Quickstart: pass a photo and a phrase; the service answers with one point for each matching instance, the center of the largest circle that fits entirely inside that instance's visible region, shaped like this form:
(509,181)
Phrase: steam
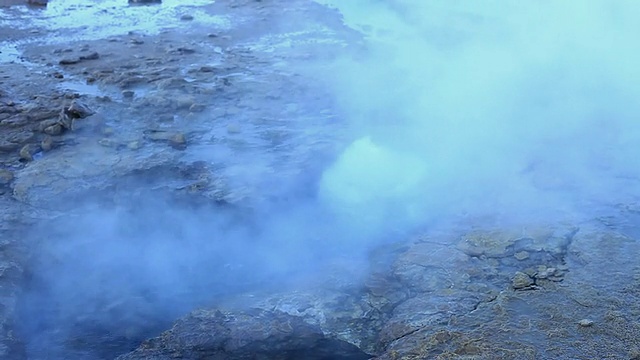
(527,110)
(513,107)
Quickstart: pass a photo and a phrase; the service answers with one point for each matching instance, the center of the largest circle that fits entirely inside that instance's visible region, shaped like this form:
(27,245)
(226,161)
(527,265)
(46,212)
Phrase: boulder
(252,334)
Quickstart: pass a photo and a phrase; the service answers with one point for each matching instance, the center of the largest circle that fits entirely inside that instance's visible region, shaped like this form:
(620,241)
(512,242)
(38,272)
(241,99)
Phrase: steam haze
(525,110)
(512,107)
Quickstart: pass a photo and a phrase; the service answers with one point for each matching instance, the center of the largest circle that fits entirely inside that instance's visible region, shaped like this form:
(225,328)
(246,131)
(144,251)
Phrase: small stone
(128,94)
(6,177)
(25,153)
(178,139)
(185,50)
(521,281)
(585,322)
(92,56)
(134,145)
(69,61)
(522,255)
(186,17)
(55,129)
(174,138)
(207,69)
(58,75)
(47,143)
(78,110)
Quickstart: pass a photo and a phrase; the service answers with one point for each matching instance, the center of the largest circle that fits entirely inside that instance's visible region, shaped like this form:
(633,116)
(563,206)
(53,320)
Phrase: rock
(521,255)
(207,69)
(92,56)
(69,61)
(252,334)
(37,2)
(134,145)
(55,129)
(78,110)
(128,94)
(26,153)
(585,322)
(6,146)
(6,176)
(145,1)
(173,138)
(185,50)
(521,281)
(186,17)
(47,143)
(17,120)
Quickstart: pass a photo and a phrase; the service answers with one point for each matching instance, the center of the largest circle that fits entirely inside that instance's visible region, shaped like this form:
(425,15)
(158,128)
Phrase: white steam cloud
(513,107)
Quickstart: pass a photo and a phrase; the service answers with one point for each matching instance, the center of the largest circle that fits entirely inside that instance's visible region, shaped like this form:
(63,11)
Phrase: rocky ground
(220,107)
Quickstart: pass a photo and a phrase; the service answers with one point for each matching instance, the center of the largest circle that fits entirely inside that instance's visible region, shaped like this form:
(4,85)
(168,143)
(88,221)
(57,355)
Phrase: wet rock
(6,146)
(207,69)
(586,322)
(19,136)
(47,143)
(134,145)
(176,139)
(184,50)
(128,94)
(186,17)
(55,129)
(253,334)
(6,176)
(69,61)
(91,56)
(487,243)
(26,153)
(16,120)
(521,281)
(79,110)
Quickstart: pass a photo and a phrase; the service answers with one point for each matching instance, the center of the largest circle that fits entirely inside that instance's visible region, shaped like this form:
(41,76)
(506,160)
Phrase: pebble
(134,145)
(25,153)
(47,143)
(585,322)
(128,94)
(521,281)
(186,17)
